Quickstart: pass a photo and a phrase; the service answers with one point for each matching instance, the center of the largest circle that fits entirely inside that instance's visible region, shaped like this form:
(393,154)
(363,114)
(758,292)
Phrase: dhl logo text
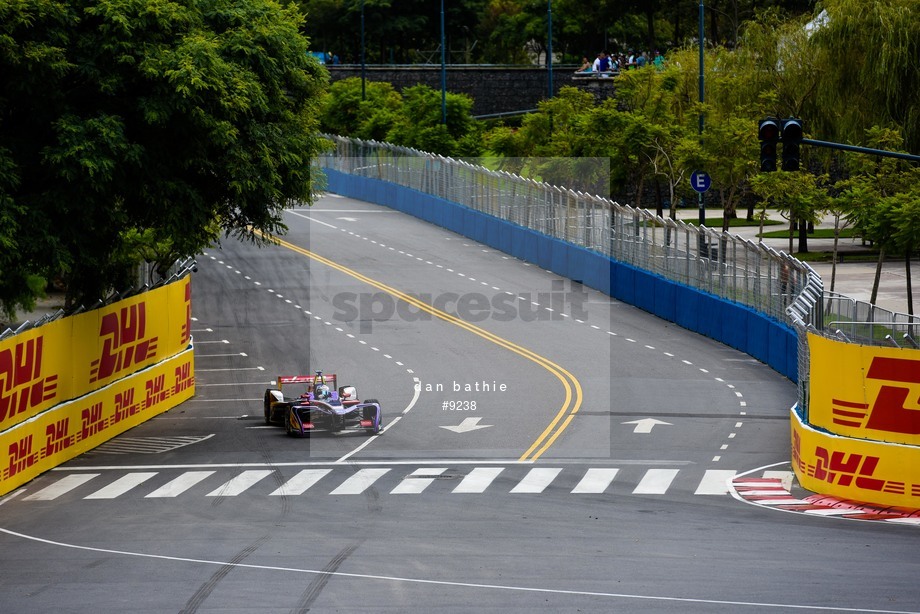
(22,386)
(846,469)
(125,343)
(21,456)
(156,391)
(125,406)
(891,411)
(184,378)
(58,437)
(92,421)
(186,332)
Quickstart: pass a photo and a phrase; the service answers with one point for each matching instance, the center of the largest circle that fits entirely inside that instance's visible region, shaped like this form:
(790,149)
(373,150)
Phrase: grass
(825,256)
(819,233)
(740,222)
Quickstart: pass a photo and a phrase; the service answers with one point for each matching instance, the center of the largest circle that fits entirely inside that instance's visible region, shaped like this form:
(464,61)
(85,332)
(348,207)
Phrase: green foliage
(146,118)
(801,197)
(420,126)
(868,53)
(345,112)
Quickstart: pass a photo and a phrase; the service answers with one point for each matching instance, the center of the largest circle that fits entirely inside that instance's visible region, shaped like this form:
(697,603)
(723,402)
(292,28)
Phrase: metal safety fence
(716,262)
(147,279)
(719,263)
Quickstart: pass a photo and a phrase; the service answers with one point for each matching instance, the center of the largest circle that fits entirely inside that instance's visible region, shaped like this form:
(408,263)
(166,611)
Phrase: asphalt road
(585,471)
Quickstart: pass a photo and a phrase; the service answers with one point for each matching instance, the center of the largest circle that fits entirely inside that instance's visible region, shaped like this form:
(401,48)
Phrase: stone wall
(498,89)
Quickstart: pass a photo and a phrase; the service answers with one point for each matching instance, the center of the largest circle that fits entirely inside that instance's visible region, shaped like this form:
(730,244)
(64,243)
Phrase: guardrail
(727,266)
(178,270)
(722,264)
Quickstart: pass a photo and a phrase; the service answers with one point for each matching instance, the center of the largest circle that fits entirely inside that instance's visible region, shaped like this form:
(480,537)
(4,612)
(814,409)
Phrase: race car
(318,405)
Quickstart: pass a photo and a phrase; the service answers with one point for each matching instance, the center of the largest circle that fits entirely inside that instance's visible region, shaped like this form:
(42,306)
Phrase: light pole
(549,45)
(363,67)
(702,100)
(443,71)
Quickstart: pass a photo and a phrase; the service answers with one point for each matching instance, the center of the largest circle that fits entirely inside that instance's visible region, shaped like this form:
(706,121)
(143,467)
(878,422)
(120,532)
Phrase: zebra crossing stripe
(477,480)
(418,481)
(715,482)
(121,485)
(359,482)
(656,482)
(536,480)
(179,485)
(299,484)
(240,483)
(595,481)
(62,486)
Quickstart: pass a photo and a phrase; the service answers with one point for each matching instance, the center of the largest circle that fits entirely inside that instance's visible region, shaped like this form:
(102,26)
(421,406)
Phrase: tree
(842,207)
(878,190)
(868,54)
(345,113)
(800,197)
(907,235)
(170,120)
(419,123)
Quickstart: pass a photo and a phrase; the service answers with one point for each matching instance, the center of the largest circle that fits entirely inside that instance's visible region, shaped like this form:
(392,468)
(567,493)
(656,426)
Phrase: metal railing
(722,264)
(179,269)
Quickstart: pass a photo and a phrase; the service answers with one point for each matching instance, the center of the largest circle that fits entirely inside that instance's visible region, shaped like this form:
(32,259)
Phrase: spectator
(602,63)
(642,60)
(659,60)
(605,62)
(585,65)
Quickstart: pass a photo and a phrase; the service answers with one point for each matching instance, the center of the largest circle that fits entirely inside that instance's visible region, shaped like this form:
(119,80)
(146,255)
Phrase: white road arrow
(645,424)
(468,424)
(348,219)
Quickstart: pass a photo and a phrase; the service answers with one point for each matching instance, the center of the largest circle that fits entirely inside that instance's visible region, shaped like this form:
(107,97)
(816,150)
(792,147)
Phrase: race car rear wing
(329,380)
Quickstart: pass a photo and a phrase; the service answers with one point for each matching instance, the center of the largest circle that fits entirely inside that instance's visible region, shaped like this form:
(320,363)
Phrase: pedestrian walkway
(852,279)
(160,482)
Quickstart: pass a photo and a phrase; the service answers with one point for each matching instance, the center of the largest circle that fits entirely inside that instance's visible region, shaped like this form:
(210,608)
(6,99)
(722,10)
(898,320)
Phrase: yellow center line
(573,392)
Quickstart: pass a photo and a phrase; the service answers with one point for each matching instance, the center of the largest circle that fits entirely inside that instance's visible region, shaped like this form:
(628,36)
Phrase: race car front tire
(369,414)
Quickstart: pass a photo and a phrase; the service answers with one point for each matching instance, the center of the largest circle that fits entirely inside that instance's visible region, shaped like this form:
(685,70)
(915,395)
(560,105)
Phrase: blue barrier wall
(733,324)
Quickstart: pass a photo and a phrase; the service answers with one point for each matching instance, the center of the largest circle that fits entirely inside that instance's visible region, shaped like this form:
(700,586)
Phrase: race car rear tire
(268,407)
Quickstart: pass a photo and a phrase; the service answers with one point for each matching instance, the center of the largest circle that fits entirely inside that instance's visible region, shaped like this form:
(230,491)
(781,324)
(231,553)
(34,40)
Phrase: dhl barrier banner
(139,331)
(35,372)
(856,469)
(864,391)
(71,428)
(73,356)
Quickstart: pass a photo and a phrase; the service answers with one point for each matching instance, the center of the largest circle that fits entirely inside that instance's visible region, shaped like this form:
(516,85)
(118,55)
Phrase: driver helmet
(322,391)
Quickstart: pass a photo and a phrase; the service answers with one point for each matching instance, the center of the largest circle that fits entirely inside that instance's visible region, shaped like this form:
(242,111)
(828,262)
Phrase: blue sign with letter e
(700,181)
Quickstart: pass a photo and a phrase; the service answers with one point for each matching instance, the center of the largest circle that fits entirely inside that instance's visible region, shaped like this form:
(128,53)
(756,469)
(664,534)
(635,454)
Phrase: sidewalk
(853,279)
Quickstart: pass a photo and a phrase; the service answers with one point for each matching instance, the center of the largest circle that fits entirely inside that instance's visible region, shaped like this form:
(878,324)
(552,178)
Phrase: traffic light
(791,138)
(768,133)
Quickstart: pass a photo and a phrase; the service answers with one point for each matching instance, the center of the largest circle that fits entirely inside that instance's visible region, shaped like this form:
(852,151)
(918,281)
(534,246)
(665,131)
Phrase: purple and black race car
(320,406)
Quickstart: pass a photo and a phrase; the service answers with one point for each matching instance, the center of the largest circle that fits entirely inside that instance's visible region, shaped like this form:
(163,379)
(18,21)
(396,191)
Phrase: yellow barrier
(121,365)
(860,470)
(71,428)
(41,368)
(865,392)
(35,372)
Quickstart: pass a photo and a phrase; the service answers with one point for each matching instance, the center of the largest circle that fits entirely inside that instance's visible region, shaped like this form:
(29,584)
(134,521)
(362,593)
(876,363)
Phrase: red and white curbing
(773,493)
